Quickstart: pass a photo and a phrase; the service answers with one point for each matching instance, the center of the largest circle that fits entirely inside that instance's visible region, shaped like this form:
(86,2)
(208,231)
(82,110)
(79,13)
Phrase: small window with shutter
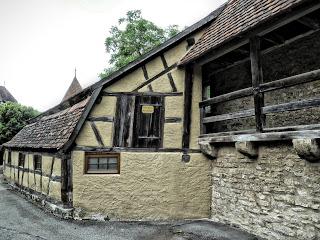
(139,121)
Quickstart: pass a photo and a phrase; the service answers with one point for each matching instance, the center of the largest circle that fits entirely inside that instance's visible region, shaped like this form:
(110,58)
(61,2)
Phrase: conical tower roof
(74,88)
(5,95)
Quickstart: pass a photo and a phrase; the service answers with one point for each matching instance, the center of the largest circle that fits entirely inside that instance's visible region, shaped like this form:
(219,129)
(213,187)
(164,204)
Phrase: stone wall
(276,196)
(150,186)
(46,182)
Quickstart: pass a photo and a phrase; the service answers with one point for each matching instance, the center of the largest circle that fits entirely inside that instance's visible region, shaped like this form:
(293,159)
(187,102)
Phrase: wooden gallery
(220,122)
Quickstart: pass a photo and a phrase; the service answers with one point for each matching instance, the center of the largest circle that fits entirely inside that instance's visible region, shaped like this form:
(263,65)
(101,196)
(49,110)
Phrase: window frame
(34,162)
(21,159)
(101,155)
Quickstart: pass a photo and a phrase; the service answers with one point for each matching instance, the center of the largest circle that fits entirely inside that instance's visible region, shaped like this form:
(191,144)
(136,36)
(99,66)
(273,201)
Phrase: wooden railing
(260,109)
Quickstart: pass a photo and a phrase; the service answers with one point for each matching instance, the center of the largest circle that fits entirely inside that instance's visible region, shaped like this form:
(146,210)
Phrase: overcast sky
(42,41)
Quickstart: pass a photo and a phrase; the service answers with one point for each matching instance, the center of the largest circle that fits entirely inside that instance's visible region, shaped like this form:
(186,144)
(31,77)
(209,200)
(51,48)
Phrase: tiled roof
(238,16)
(49,132)
(74,89)
(5,95)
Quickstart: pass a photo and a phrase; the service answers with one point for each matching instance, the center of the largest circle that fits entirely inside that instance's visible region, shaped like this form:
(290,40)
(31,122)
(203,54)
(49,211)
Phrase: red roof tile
(49,132)
(237,17)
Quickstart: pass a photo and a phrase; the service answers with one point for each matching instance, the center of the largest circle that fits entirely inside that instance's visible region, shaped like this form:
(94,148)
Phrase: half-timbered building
(219,122)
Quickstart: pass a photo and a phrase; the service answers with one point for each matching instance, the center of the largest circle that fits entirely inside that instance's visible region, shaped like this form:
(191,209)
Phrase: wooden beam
(259,30)
(187,107)
(291,81)
(227,97)
(173,120)
(96,133)
(229,116)
(130,149)
(156,94)
(165,71)
(101,119)
(266,136)
(309,22)
(266,51)
(257,79)
(292,106)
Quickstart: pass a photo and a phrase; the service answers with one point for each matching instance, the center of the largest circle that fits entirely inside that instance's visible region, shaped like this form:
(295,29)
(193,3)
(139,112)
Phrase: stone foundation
(276,196)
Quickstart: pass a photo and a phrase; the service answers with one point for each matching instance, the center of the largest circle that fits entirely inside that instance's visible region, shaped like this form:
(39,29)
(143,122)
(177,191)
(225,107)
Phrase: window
(21,159)
(139,121)
(102,163)
(9,158)
(37,162)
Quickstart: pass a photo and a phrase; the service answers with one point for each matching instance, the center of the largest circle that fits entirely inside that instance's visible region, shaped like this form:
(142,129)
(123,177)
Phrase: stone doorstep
(57,210)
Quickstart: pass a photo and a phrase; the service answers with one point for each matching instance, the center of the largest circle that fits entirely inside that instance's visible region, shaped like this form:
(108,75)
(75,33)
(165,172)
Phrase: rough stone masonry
(276,196)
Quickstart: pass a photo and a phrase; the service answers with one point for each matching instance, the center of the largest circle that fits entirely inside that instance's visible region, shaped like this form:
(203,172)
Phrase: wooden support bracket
(208,149)
(248,149)
(307,149)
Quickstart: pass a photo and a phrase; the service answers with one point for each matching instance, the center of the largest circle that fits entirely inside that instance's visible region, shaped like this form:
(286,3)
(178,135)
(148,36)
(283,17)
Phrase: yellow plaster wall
(162,84)
(107,107)
(86,136)
(195,110)
(174,106)
(172,135)
(178,76)
(154,67)
(150,186)
(127,83)
(35,181)
(106,132)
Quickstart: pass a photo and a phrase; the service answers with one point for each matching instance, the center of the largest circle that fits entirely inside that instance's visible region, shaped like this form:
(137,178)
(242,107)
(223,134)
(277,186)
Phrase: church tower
(74,88)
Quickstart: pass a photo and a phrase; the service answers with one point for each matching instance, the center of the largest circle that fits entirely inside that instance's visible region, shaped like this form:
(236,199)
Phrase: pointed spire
(74,88)
(5,95)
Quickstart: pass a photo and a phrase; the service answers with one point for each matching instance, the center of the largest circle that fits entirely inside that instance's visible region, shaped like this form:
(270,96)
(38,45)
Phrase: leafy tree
(137,37)
(13,117)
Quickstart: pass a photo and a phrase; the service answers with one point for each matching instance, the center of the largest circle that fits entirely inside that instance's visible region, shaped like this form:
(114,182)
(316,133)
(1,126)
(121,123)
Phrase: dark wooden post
(257,79)
(187,107)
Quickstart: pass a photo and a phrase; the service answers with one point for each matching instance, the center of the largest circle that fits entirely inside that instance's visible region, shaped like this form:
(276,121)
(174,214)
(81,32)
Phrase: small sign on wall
(147,109)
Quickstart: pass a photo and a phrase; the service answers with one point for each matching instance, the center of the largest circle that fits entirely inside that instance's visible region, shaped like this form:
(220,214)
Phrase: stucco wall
(46,182)
(149,186)
(276,196)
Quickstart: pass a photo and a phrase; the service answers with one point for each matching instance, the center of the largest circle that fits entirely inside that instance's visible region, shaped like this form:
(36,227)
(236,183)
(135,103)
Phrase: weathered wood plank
(257,79)
(96,133)
(128,149)
(116,94)
(173,120)
(229,116)
(228,97)
(292,106)
(266,136)
(291,81)
(188,85)
(165,71)
(101,119)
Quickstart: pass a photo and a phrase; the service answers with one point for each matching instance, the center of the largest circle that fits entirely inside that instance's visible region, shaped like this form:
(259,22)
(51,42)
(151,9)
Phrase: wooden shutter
(148,122)
(124,121)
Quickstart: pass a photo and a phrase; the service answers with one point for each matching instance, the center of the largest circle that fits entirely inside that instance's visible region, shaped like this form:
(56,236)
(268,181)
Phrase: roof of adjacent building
(73,89)
(49,132)
(5,95)
(237,17)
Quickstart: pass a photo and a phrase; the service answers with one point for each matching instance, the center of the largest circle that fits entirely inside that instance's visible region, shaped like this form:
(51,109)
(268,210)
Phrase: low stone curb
(57,210)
